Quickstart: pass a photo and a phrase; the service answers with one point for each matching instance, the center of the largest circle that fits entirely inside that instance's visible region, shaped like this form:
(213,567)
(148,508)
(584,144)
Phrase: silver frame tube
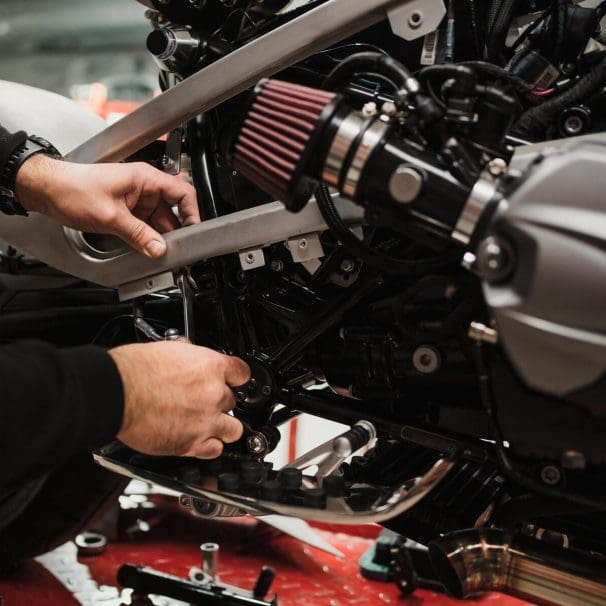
(292,42)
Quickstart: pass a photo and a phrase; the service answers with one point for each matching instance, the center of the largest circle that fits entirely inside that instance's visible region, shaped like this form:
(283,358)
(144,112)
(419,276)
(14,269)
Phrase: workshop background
(94,52)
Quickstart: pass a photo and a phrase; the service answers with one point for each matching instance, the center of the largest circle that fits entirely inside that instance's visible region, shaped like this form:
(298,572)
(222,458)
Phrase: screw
(250,258)
(266,390)
(494,259)
(277,265)
(573,125)
(478,332)
(257,444)
(426,359)
(370,109)
(497,167)
(303,243)
(416,19)
(347,265)
(550,475)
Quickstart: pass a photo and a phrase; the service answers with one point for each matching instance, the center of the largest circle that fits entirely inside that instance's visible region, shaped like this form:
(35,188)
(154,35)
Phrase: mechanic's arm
(160,398)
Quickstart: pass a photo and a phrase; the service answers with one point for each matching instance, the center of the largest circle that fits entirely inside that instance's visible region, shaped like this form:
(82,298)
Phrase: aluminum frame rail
(294,41)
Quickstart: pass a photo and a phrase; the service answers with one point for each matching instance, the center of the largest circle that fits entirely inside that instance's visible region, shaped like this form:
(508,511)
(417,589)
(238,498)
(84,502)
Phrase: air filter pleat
(275,135)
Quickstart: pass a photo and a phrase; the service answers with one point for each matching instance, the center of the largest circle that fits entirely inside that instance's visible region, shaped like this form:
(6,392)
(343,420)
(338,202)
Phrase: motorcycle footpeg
(233,486)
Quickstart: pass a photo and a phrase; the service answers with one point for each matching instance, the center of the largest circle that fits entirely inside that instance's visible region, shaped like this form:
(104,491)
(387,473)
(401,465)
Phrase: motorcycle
(404,232)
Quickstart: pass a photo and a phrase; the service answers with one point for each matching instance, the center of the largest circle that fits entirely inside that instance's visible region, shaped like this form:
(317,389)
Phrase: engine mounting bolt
(277,265)
(497,167)
(550,475)
(573,459)
(426,359)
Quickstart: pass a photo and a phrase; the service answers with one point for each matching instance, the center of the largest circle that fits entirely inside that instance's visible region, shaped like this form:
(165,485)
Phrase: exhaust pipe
(471,562)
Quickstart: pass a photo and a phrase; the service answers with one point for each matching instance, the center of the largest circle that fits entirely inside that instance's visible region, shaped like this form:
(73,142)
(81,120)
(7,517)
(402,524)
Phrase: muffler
(471,562)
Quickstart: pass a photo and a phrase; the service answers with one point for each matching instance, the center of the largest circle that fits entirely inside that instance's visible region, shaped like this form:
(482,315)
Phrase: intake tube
(471,562)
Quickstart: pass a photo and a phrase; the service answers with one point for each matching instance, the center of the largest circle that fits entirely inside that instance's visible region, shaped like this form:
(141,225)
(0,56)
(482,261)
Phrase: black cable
(499,72)
(371,62)
(529,30)
(495,45)
(535,121)
(503,459)
(372,258)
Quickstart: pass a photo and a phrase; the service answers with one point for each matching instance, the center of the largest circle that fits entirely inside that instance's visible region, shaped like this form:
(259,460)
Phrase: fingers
(209,449)
(175,191)
(139,235)
(163,218)
(228,429)
(237,372)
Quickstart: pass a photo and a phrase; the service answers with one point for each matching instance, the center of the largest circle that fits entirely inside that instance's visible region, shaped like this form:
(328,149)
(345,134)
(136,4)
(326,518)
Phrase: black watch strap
(9,204)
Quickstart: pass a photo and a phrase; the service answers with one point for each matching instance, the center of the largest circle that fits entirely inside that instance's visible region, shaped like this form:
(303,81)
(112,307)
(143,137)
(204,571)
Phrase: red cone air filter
(275,136)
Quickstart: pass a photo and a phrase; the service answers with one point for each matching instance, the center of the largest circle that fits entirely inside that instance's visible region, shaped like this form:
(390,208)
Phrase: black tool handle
(147,580)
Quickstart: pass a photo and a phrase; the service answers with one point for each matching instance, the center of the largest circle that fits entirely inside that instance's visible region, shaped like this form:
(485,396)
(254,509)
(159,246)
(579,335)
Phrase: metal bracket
(252,258)
(417,18)
(305,248)
(146,286)
(171,162)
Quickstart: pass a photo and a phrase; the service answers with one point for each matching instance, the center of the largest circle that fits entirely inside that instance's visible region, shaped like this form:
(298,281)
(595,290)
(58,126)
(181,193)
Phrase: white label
(430,46)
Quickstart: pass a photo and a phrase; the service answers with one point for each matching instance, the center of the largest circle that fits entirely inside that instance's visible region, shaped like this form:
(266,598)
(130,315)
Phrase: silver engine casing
(551,313)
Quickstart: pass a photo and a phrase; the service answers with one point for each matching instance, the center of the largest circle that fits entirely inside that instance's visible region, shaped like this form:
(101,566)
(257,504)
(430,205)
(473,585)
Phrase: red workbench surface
(305,576)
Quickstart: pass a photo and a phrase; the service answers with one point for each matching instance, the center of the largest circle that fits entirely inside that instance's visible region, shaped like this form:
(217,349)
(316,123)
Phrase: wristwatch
(9,204)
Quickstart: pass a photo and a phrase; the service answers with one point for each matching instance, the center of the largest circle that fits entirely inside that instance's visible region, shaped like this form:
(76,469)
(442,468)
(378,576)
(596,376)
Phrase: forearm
(53,404)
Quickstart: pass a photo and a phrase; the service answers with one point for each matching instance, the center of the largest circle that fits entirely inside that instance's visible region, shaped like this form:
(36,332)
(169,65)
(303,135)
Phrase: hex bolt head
(550,475)
(497,167)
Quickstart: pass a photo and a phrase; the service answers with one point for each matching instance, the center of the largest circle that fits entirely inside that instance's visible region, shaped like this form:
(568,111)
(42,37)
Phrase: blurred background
(90,50)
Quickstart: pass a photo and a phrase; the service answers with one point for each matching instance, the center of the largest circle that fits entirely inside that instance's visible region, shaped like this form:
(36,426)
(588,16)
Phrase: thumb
(139,235)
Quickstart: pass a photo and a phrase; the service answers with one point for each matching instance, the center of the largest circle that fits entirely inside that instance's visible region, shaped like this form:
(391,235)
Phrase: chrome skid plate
(197,482)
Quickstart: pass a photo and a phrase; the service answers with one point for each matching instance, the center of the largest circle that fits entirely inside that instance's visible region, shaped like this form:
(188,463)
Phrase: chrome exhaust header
(471,562)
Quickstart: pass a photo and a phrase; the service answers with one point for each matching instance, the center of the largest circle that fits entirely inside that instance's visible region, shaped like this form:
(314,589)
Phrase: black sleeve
(9,142)
(54,403)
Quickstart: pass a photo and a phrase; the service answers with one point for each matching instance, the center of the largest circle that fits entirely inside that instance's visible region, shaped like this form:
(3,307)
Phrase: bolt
(256,444)
(277,265)
(389,109)
(370,109)
(479,332)
(348,265)
(573,125)
(550,475)
(303,243)
(416,19)
(469,261)
(250,258)
(494,259)
(266,390)
(572,459)
(497,167)
(426,359)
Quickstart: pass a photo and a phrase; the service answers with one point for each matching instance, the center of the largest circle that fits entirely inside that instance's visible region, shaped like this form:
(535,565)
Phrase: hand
(176,398)
(126,200)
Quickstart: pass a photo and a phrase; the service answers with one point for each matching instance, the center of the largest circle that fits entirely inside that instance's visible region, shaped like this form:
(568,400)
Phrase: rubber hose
(534,122)
(498,33)
(370,62)
(372,258)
